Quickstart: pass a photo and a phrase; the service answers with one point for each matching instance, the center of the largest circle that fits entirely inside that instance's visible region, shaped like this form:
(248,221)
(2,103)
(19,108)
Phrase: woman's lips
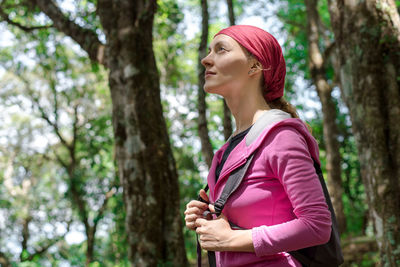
(209,73)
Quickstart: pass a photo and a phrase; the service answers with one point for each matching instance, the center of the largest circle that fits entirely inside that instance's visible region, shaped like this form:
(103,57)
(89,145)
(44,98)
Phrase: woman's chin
(211,89)
(208,89)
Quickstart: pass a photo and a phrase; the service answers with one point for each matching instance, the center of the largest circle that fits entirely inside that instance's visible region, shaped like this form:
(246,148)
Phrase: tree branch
(43,249)
(61,161)
(43,114)
(86,38)
(294,23)
(74,130)
(55,99)
(53,124)
(7,19)
(108,195)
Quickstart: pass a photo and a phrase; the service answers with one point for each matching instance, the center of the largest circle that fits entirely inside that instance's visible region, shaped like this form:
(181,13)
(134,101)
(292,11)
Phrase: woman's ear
(257,66)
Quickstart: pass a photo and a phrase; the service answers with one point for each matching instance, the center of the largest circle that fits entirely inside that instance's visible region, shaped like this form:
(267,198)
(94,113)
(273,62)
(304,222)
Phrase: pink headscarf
(267,50)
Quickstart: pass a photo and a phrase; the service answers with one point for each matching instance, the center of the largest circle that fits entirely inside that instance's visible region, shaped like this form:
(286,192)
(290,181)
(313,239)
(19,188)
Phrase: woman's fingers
(199,224)
(191,218)
(203,195)
(198,204)
(192,213)
(194,210)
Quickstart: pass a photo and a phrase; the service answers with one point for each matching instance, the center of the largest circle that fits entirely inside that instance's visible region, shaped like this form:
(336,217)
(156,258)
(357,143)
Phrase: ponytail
(282,104)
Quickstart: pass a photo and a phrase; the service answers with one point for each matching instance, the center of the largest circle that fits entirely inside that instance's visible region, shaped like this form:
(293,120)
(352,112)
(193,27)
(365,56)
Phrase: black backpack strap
(233,182)
(197,236)
(328,254)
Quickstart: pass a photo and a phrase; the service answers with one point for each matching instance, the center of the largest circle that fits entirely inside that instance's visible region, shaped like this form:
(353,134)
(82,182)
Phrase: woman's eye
(221,48)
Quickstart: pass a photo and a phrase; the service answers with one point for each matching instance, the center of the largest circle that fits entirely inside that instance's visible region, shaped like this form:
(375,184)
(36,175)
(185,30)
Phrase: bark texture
(145,162)
(317,61)
(368,38)
(206,147)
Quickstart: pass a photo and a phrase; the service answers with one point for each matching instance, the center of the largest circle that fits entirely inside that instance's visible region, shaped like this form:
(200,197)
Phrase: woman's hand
(195,209)
(216,234)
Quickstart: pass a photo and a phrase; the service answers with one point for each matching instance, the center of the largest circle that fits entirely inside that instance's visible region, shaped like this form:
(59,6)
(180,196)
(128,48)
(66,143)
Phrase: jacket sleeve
(289,158)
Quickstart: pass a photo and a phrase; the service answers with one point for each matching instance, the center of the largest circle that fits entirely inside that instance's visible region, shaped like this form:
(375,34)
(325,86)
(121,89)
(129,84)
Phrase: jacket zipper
(228,171)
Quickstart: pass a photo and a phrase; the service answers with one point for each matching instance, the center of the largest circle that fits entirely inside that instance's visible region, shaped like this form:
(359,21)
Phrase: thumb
(211,207)
(203,195)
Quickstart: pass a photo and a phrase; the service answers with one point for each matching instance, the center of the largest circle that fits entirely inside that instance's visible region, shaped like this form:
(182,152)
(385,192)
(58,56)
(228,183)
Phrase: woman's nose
(206,61)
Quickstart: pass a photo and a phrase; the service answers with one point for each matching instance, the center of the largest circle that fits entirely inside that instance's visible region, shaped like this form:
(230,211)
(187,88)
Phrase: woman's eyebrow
(217,43)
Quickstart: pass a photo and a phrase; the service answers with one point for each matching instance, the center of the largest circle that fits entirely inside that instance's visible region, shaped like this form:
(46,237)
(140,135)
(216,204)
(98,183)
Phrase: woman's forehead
(223,39)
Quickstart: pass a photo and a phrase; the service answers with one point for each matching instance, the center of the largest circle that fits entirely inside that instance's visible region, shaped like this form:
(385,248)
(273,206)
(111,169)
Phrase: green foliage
(50,85)
(168,43)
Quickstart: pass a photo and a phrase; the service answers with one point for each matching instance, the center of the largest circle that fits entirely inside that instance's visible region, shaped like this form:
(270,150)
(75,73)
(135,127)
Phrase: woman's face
(227,66)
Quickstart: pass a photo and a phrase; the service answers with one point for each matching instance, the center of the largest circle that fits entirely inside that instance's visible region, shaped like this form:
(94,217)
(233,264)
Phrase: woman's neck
(246,110)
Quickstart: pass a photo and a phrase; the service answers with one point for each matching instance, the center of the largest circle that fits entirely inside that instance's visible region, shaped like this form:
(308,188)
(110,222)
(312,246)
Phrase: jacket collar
(246,147)
(269,121)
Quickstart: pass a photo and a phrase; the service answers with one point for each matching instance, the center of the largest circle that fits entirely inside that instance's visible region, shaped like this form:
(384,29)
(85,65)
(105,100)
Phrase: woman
(280,200)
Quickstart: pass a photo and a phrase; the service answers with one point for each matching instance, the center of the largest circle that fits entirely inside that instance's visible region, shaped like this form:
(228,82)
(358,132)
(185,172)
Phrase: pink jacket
(280,198)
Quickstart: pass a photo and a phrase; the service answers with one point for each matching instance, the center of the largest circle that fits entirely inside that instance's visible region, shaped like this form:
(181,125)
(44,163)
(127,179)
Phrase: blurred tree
(317,61)
(368,39)
(61,89)
(227,120)
(30,228)
(145,162)
(206,146)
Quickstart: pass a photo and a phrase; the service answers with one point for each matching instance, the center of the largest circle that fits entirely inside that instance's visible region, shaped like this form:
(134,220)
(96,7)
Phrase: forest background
(106,133)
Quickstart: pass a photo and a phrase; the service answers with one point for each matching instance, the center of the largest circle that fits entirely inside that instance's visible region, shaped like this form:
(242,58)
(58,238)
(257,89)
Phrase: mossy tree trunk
(368,38)
(145,162)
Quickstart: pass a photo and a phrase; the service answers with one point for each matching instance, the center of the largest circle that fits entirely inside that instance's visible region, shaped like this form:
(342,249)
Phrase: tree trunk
(145,162)
(330,130)
(206,147)
(4,261)
(90,238)
(25,237)
(368,37)
(231,12)
(227,121)
(227,113)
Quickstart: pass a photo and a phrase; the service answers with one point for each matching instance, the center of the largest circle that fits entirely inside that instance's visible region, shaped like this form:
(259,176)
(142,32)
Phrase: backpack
(324,255)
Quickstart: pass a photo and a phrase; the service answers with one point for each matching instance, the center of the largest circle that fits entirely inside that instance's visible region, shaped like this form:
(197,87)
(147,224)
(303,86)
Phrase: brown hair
(282,104)
(279,103)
